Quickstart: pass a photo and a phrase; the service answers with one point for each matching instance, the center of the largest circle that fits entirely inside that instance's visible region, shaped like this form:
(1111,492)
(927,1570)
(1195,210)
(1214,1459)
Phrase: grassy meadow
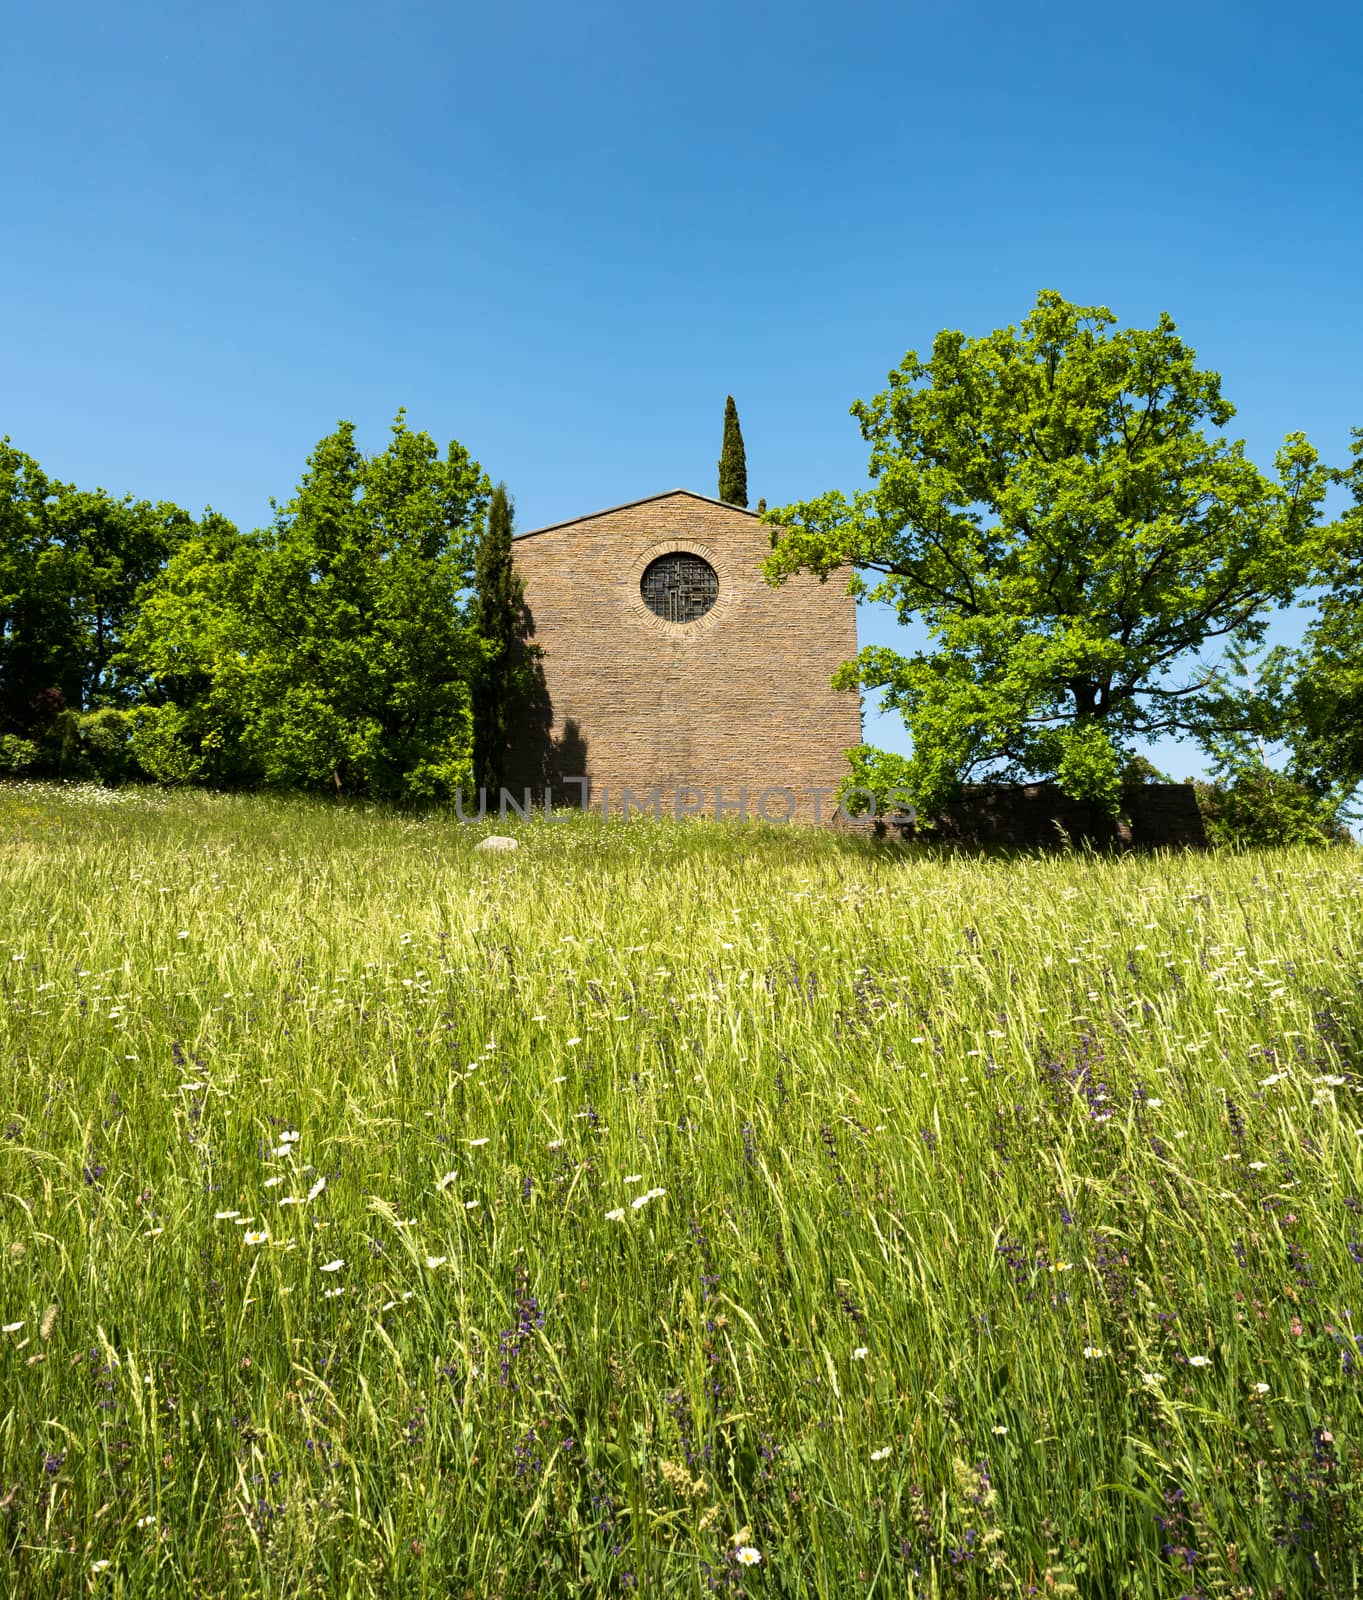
(669,1210)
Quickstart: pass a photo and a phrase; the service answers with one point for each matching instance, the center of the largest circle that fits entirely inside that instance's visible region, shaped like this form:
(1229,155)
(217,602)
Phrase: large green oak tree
(1048,500)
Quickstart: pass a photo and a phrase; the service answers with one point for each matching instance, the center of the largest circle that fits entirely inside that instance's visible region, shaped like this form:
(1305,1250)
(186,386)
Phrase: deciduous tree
(71,564)
(333,648)
(1047,500)
(1319,688)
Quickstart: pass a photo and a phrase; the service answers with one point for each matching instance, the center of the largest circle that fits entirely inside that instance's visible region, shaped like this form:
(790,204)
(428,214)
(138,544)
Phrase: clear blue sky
(562,234)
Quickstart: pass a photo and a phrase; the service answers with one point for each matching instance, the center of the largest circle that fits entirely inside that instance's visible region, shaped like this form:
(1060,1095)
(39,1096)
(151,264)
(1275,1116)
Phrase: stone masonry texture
(736,702)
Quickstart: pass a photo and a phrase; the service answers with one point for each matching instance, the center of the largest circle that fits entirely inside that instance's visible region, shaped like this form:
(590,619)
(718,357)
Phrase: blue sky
(563,234)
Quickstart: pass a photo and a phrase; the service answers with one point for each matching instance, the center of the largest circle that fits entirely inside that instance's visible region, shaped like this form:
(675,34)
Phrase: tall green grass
(1004,1230)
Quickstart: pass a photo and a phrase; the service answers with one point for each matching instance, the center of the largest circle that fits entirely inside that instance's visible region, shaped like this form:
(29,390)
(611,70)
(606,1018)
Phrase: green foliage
(191,644)
(882,774)
(163,743)
(60,750)
(1260,708)
(1088,766)
(1139,770)
(499,628)
(1085,762)
(332,649)
(1046,500)
(1256,807)
(106,744)
(1313,697)
(16,755)
(733,460)
(86,745)
(117,745)
(71,564)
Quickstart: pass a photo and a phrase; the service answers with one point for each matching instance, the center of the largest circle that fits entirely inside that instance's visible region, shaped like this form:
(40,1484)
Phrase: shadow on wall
(536,758)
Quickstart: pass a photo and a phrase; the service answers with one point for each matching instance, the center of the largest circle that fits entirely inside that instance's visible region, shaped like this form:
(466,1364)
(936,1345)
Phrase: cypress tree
(496,622)
(733,463)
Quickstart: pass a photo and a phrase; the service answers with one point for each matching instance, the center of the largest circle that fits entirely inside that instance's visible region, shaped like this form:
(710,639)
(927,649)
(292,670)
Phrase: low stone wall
(1037,815)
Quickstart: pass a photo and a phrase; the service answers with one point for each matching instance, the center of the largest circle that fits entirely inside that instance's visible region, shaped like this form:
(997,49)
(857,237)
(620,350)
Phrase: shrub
(161,746)
(883,774)
(1257,806)
(105,745)
(16,755)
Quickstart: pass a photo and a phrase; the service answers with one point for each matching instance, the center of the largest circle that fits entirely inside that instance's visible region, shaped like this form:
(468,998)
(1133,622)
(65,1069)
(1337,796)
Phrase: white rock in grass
(498,841)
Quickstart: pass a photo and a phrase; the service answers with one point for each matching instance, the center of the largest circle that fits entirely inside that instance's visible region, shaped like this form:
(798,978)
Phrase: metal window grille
(679,587)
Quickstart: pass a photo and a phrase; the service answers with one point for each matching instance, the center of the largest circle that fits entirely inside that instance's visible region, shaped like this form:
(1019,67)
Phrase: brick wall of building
(737,700)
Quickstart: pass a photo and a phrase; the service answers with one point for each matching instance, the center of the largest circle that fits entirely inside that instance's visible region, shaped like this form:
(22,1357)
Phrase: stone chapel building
(670,669)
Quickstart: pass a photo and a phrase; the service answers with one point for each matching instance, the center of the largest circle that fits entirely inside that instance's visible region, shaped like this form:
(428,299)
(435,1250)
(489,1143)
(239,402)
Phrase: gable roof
(644,500)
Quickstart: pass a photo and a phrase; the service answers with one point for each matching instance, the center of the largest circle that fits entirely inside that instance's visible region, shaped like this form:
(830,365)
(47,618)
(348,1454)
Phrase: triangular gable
(648,499)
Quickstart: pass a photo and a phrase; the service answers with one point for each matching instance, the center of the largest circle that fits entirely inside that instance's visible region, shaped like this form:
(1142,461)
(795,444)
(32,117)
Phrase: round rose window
(679,587)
